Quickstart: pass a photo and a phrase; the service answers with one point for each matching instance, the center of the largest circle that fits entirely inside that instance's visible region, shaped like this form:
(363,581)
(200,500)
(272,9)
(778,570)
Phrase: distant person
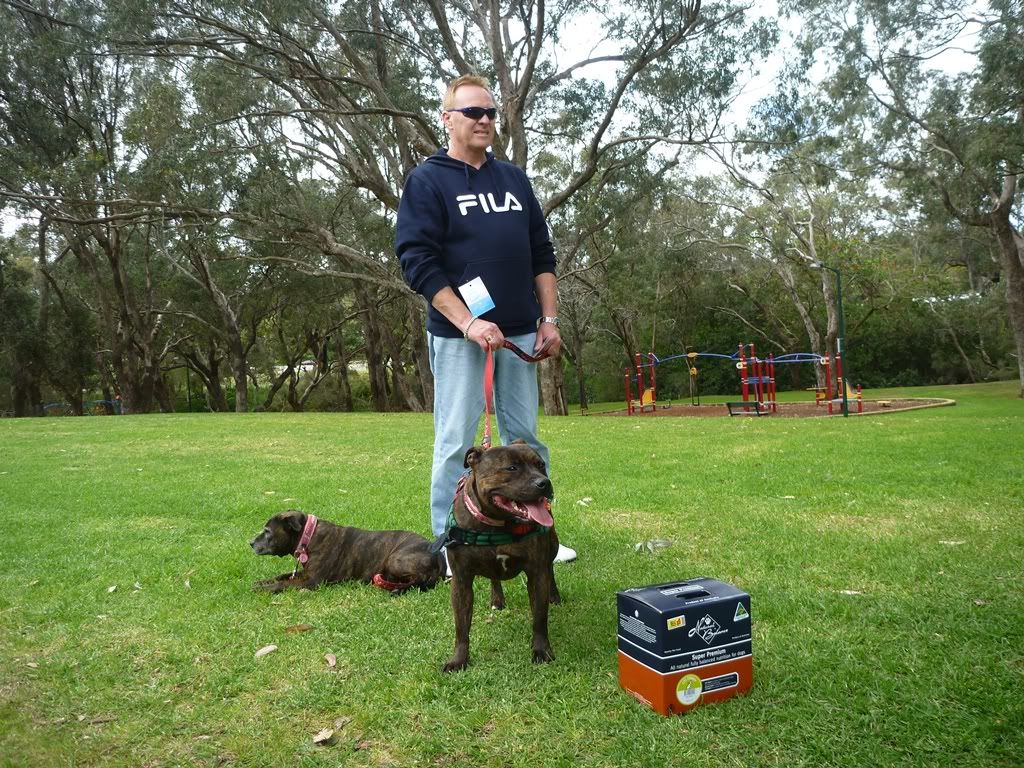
(470,224)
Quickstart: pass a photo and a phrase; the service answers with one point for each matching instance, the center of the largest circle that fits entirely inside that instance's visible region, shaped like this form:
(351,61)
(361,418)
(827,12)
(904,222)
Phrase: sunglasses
(475,113)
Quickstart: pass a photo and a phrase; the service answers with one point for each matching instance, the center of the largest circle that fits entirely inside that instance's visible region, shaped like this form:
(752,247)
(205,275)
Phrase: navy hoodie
(456,223)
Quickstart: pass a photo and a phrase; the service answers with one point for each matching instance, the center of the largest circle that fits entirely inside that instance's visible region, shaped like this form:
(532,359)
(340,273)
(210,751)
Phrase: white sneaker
(565,555)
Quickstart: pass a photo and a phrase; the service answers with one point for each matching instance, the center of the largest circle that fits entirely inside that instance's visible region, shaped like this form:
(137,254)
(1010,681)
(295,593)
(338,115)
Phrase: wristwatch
(552,320)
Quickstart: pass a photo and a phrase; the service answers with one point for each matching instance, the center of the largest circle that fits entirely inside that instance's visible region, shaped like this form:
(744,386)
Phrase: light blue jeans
(458,368)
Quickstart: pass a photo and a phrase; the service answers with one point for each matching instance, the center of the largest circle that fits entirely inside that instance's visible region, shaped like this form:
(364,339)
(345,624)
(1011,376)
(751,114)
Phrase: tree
(962,133)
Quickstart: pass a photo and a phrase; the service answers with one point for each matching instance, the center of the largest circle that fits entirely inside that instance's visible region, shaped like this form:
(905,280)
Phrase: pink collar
(471,506)
(301,553)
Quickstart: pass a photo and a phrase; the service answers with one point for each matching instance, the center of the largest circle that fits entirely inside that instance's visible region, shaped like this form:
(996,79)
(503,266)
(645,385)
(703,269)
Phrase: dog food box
(685,643)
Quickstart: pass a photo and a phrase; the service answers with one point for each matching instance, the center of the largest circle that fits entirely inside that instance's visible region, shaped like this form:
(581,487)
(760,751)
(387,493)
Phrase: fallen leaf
(265,650)
(32,665)
(341,722)
(188,584)
(325,738)
(977,601)
(101,719)
(137,586)
(585,501)
(33,583)
(332,660)
(269,493)
(850,592)
(952,543)
(297,629)
(364,744)
(112,589)
(787,497)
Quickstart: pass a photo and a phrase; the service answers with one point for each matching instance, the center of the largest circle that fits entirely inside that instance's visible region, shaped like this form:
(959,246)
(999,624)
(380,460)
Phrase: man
(470,224)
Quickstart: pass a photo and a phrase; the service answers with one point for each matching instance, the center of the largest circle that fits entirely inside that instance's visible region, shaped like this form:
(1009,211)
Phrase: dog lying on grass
(501,526)
(328,553)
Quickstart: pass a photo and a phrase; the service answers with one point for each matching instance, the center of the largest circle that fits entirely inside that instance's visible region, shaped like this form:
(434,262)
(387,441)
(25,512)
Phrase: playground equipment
(757,380)
(824,394)
(647,397)
(757,377)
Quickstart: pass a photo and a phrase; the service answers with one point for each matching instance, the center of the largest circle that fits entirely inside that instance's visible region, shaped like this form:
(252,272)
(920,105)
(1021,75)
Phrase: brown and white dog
(503,527)
(328,553)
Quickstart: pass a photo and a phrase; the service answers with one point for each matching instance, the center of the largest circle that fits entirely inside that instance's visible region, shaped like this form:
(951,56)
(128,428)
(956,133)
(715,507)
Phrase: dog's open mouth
(538,510)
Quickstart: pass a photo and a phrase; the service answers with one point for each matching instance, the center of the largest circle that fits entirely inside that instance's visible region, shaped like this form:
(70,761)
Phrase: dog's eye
(511,468)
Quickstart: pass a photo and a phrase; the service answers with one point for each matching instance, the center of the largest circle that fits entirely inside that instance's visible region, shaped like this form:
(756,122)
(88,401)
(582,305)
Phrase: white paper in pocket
(476,296)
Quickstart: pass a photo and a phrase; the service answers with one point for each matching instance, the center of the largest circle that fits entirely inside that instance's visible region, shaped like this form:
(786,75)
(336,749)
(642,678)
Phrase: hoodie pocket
(510,283)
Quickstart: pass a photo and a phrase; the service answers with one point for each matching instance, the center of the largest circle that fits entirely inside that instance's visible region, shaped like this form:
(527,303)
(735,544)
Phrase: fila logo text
(488,203)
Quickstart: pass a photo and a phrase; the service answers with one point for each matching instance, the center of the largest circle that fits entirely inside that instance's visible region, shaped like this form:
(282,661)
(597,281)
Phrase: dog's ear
(295,520)
(472,457)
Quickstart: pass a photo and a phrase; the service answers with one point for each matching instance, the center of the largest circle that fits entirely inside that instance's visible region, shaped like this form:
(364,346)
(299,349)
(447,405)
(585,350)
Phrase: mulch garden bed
(798,410)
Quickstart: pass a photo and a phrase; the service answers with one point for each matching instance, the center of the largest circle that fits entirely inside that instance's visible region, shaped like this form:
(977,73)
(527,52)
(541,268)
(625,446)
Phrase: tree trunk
(420,354)
(552,387)
(344,383)
(401,383)
(240,370)
(1011,255)
(375,366)
(275,386)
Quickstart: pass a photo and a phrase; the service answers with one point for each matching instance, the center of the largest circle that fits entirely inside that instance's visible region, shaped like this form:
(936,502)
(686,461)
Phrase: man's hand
(486,334)
(548,338)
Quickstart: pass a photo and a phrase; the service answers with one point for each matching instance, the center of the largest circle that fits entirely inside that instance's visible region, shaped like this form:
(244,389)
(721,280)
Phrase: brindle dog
(338,553)
(509,485)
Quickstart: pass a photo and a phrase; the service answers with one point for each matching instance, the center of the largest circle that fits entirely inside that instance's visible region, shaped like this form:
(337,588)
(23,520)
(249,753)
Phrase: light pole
(842,323)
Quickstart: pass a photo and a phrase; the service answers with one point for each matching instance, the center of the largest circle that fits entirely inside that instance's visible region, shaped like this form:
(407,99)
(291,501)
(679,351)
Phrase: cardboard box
(685,643)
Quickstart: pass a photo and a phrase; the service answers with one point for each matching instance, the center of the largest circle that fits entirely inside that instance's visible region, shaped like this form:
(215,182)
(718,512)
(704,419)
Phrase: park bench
(747,408)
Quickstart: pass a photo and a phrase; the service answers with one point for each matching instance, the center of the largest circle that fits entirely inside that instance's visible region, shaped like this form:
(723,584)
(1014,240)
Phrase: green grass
(919,513)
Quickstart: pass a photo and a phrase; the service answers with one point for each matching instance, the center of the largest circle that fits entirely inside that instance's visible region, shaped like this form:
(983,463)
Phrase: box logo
(677,622)
(741,613)
(707,629)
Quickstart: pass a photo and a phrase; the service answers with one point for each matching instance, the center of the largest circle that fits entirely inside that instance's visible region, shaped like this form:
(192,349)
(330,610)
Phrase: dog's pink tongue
(540,512)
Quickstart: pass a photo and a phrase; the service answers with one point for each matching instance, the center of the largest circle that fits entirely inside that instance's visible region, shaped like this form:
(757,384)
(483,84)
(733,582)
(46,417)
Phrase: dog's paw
(455,665)
(542,655)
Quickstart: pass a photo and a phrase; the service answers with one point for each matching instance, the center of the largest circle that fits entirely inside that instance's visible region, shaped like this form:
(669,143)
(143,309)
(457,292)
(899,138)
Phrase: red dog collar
(301,552)
(472,508)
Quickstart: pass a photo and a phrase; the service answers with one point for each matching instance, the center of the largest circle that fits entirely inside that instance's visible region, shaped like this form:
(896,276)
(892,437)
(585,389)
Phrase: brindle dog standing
(338,553)
(508,484)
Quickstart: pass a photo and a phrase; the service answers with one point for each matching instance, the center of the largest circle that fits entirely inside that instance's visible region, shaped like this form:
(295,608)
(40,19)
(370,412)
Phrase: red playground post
(654,389)
(742,365)
(828,382)
(629,394)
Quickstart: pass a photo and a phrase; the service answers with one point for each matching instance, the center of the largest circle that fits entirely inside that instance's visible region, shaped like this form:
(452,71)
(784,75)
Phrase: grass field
(883,556)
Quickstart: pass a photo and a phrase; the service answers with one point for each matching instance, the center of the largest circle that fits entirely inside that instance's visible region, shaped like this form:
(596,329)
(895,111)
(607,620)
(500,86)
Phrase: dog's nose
(543,485)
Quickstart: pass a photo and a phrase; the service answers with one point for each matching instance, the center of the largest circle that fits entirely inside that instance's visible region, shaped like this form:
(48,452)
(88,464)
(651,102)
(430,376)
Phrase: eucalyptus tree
(355,87)
(64,95)
(961,133)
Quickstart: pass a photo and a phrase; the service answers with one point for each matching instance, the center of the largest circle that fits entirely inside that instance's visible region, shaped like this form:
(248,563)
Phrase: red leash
(489,383)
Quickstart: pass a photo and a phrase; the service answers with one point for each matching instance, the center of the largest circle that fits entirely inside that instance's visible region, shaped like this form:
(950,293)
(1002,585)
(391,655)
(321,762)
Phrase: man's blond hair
(458,82)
